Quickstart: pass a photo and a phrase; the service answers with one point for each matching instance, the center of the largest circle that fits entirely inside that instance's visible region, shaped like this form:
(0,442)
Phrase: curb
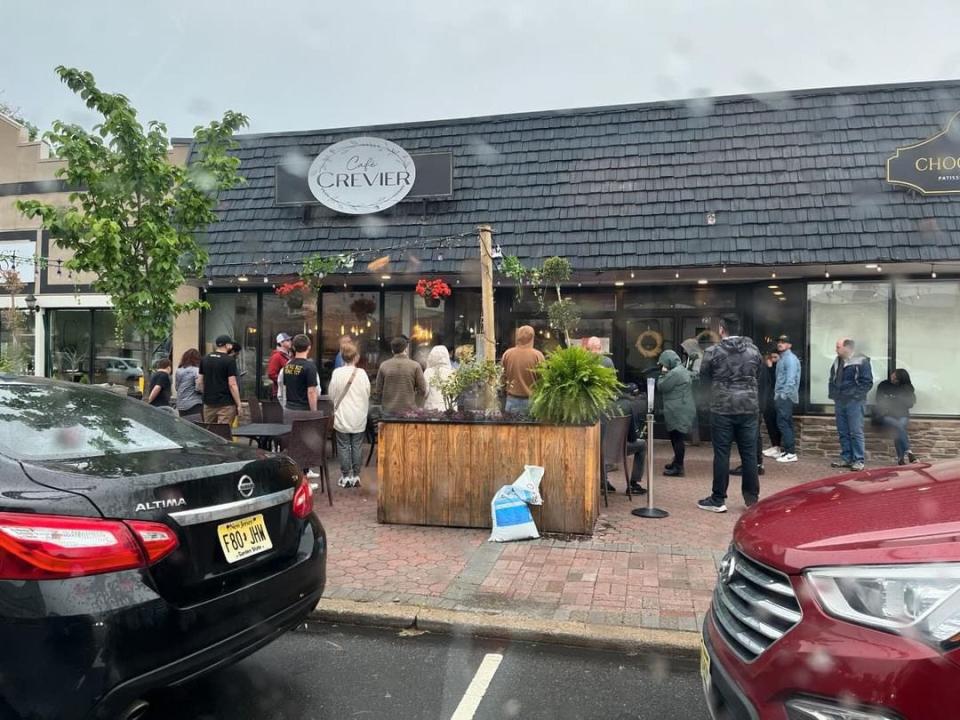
(507,626)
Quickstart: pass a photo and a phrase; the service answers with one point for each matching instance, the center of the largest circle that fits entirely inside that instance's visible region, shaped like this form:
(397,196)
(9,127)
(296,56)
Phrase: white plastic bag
(510,514)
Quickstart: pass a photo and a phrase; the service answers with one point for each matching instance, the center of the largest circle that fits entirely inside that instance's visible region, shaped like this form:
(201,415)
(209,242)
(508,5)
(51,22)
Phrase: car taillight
(303,500)
(46,547)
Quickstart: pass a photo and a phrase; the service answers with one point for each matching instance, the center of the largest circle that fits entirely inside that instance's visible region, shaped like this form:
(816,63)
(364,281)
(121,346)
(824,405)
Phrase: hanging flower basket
(292,293)
(363,307)
(433,291)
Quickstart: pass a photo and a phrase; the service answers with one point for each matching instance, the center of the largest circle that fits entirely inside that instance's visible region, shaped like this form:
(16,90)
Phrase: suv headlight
(921,601)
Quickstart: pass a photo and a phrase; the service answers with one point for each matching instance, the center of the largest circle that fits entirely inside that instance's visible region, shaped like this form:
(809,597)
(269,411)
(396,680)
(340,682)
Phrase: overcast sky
(307,64)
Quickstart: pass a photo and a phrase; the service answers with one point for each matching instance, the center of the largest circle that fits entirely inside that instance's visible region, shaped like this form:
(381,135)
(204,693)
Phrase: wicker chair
(220,429)
(614,432)
(307,445)
(271,411)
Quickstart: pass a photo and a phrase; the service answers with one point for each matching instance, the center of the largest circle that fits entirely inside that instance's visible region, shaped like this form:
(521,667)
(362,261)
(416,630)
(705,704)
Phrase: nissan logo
(245,486)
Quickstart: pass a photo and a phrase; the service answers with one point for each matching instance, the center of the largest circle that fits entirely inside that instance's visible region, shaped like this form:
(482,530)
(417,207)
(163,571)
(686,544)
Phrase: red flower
(290,288)
(434,289)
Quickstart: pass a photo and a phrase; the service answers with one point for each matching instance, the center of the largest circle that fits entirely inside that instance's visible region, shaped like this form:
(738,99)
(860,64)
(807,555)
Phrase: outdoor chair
(256,411)
(307,445)
(371,433)
(271,412)
(325,404)
(613,439)
(221,429)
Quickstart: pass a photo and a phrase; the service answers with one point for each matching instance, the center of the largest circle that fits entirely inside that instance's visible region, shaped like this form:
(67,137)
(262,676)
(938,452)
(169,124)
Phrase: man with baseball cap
(786,394)
(218,383)
(279,358)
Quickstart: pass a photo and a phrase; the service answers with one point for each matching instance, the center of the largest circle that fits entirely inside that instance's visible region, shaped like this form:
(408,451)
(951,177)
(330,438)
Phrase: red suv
(840,600)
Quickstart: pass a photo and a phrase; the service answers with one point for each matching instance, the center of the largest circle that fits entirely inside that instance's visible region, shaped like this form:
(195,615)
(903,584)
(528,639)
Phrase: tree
(133,222)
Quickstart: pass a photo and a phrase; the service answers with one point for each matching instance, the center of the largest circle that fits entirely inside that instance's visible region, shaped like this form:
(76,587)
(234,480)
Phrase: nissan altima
(137,551)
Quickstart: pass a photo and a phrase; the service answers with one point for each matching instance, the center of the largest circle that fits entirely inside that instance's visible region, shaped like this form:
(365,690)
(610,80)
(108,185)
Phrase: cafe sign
(362,175)
(931,167)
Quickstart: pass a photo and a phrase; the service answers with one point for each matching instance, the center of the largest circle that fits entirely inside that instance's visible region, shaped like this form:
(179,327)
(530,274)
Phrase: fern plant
(573,388)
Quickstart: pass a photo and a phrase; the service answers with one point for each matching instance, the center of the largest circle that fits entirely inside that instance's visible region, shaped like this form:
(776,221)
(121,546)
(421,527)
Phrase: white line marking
(478,687)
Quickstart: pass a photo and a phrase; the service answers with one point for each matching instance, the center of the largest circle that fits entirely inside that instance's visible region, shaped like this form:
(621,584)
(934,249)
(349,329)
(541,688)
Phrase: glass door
(645,339)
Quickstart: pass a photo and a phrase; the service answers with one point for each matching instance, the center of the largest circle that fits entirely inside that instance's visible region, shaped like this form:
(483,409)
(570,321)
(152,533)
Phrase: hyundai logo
(245,486)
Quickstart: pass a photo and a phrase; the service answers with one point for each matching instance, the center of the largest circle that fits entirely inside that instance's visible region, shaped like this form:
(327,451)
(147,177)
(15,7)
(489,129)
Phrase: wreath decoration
(650,344)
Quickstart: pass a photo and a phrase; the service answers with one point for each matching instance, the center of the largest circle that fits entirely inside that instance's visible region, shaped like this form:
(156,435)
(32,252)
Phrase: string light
(826,272)
(933,273)
(724,270)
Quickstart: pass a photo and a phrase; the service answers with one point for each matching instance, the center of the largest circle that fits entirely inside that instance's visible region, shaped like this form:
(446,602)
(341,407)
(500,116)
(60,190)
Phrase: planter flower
(433,291)
(292,293)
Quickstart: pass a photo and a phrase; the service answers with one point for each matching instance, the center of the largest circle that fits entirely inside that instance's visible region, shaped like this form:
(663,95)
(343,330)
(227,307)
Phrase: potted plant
(293,293)
(433,291)
(573,388)
(363,308)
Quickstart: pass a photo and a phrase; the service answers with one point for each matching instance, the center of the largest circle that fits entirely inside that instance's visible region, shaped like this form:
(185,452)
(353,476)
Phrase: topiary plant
(573,388)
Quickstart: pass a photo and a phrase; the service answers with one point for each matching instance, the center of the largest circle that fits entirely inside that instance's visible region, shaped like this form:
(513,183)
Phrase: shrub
(573,388)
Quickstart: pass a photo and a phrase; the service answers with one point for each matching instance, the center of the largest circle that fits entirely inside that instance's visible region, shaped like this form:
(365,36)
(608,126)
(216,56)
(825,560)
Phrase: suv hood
(886,516)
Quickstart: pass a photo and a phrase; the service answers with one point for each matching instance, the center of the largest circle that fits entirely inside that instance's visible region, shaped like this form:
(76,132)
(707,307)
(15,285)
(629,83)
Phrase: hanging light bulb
(933,273)
(632,275)
(826,272)
(724,269)
(773,274)
(676,275)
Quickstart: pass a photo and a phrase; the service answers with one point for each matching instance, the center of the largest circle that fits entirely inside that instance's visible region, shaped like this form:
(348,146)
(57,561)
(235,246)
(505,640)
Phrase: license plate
(705,668)
(243,538)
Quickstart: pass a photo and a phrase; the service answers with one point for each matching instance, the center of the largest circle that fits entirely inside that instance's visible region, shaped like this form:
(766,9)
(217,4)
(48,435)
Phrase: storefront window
(235,314)
(16,341)
(844,309)
(291,315)
(356,314)
(928,335)
(469,316)
(406,313)
(70,345)
(646,338)
(679,297)
(778,310)
(544,339)
(119,359)
(588,302)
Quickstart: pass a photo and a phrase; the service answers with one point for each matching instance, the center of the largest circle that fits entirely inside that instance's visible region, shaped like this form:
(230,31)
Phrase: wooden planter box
(446,473)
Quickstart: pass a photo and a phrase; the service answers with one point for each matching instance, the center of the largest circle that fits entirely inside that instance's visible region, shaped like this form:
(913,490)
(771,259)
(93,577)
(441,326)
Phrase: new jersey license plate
(705,668)
(244,538)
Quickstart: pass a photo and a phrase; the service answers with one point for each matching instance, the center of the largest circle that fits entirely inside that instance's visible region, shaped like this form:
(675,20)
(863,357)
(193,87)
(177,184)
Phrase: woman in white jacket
(350,391)
(438,366)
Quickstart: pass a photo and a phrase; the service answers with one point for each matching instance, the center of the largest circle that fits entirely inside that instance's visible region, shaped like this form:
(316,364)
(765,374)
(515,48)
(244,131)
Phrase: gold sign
(931,167)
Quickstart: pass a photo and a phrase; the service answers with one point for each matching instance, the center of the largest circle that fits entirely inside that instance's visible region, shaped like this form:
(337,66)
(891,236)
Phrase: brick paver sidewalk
(633,571)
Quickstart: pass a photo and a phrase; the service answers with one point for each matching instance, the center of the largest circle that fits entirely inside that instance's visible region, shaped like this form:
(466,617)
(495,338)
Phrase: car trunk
(200,493)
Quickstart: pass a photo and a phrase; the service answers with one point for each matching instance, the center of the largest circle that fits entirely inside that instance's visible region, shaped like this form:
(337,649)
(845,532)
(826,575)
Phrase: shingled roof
(792,178)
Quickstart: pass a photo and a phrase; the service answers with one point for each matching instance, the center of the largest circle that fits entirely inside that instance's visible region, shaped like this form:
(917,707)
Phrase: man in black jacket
(731,369)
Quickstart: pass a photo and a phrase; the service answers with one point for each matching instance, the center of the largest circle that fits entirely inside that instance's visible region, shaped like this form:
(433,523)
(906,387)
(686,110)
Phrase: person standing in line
(766,382)
(438,370)
(217,382)
(160,384)
(518,371)
(895,397)
(189,401)
(400,386)
(786,394)
(338,361)
(731,368)
(595,345)
(679,411)
(851,378)
(350,390)
(300,377)
(278,359)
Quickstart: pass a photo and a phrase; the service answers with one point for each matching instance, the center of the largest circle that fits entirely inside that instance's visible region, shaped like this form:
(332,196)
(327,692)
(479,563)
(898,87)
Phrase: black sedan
(137,551)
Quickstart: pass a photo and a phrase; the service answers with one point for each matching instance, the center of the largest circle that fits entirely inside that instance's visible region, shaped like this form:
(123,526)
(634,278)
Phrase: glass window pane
(17,341)
(679,297)
(293,315)
(588,302)
(646,338)
(119,360)
(844,309)
(69,345)
(356,314)
(928,333)
(544,339)
(467,323)
(235,314)
(778,310)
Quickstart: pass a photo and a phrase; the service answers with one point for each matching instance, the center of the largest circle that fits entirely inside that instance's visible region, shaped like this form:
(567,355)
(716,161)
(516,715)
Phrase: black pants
(679,449)
(770,420)
(639,450)
(742,429)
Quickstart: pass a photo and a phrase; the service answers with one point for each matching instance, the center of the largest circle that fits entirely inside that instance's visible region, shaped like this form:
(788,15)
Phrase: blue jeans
(517,405)
(788,442)
(849,416)
(901,440)
(745,430)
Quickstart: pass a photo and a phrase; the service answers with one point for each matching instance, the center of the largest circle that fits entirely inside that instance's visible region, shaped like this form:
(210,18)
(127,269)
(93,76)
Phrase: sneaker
(354,481)
(788,457)
(857,466)
(911,458)
(841,463)
(674,472)
(711,505)
(344,481)
(636,489)
(311,475)
(772,452)
(750,500)
(760,470)
(668,466)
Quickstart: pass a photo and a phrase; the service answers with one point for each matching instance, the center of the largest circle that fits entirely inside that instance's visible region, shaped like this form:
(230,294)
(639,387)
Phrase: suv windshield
(59,422)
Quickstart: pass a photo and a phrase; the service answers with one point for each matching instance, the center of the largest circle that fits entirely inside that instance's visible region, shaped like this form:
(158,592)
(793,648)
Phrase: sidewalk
(634,572)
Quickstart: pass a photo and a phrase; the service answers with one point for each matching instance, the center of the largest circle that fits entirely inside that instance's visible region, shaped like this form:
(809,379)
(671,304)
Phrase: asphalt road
(342,672)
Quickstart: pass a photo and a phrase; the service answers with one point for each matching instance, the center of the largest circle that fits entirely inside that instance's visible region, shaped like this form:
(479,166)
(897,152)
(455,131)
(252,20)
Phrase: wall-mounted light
(711,218)
(385,277)
(773,287)
(677,275)
(826,272)
(31,302)
(702,281)
(619,283)
(773,275)
(632,275)
(933,273)
(724,269)
(242,278)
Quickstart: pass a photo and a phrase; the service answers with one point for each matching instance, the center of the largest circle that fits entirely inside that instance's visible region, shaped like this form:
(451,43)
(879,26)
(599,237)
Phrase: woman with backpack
(895,397)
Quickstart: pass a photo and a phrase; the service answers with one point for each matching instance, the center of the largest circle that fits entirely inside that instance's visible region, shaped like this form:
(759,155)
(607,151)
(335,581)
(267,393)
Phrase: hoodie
(731,367)
(438,366)
(676,389)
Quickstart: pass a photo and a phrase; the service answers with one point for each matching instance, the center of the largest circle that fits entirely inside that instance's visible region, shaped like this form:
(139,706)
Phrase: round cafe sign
(362,175)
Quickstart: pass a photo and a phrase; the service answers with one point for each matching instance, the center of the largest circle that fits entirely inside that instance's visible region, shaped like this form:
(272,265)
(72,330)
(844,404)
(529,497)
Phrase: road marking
(478,687)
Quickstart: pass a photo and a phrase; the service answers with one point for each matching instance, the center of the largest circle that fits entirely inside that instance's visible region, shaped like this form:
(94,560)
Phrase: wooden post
(486,289)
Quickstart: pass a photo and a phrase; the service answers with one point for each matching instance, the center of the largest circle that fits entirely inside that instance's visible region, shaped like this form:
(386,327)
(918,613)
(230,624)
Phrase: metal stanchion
(650,511)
